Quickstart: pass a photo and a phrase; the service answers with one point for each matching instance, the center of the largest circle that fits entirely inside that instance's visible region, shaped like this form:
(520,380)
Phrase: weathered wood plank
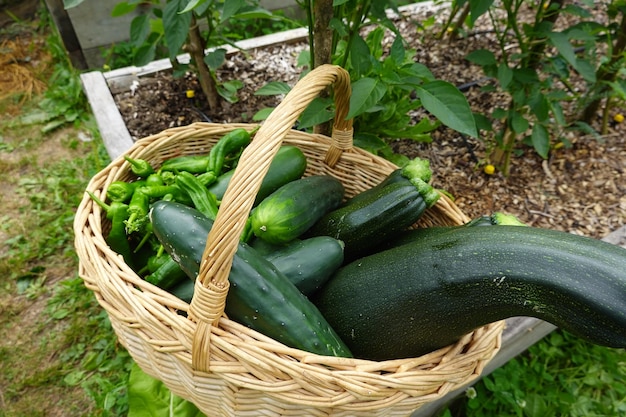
(66,31)
(115,135)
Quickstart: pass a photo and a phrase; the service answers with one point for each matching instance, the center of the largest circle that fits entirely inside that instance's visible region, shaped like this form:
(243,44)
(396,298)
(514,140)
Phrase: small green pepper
(167,275)
(203,200)
(195,164)
(122,191)
(138,212)
(154,179)
(139,167)
(117,238)
(207,178)
(231,143)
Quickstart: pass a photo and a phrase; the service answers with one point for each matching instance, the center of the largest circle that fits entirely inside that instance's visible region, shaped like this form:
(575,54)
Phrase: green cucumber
(288,165)
(292,209)
(424,295)
(380,213)
(308,263)
(259,297)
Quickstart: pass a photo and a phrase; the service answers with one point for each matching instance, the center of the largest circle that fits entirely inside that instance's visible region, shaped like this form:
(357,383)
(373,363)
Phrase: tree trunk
(196,51)
(323,40)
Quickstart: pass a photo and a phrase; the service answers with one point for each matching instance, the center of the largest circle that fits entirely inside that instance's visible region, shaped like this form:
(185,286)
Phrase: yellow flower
(190,94)
(489,169)
(619,117)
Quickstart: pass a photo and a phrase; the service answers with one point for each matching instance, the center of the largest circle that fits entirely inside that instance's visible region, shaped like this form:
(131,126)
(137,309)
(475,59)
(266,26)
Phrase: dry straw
(225,368)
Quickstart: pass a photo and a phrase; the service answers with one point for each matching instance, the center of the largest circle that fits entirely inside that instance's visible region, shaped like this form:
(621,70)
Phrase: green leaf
(230,8)
(144,54)
(254,13)
(566,50)
(192,5)
(369,142)
(360,57)
(122,8)
(444,101)
(483,122)
(304,58)
(505,75)
(540,105)
(139,30)
(519,124)
(262,114)
(149,397)
(541,140)
(228,90)
(586,70)
(482,57)
(176,26)
(478,8)
(366,92)
(273,88)
(215,58)
(397,52)
(561,43)
(318,112)
(68,4)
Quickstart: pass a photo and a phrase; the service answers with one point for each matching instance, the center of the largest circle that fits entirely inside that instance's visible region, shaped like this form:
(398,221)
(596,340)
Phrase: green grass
(561,375)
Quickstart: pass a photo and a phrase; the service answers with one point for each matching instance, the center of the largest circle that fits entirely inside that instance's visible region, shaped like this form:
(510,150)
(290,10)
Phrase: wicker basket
(225,368)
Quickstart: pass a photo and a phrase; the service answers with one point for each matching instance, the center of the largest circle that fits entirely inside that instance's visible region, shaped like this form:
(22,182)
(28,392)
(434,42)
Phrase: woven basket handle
(212,284)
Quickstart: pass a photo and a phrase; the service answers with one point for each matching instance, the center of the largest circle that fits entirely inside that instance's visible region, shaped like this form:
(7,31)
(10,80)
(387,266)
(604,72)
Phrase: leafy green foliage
(559,376)
(64,101)
(149,397)
(387,89)
(535,80)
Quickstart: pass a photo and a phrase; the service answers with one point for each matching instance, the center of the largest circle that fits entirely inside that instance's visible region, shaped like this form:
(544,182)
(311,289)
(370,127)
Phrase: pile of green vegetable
(348,276)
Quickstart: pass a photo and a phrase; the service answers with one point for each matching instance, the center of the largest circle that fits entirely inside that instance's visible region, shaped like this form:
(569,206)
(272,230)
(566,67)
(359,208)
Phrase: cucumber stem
(503,219)
(418,172)
(417,168)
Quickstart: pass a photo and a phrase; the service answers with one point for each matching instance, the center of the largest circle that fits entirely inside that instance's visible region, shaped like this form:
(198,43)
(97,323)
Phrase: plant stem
(538,45)
(501,156)
(207,81)
(308,9)
(323,41)
(459,22)
(360,12)
(322,33)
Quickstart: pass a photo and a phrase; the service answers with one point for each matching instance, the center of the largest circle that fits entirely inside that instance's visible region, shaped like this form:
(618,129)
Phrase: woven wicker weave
(227,369)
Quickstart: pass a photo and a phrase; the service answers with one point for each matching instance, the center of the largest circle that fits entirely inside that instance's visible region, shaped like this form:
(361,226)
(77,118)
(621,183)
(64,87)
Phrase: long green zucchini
(259,297)
(426,294)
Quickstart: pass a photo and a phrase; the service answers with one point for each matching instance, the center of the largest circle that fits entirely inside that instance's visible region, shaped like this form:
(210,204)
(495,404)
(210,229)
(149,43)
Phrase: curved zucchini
(495,219)
(292,209)
(259,296)
(426,294)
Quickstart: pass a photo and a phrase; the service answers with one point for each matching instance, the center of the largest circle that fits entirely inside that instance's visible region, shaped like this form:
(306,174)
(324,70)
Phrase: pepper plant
(388,87)
(538,75)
